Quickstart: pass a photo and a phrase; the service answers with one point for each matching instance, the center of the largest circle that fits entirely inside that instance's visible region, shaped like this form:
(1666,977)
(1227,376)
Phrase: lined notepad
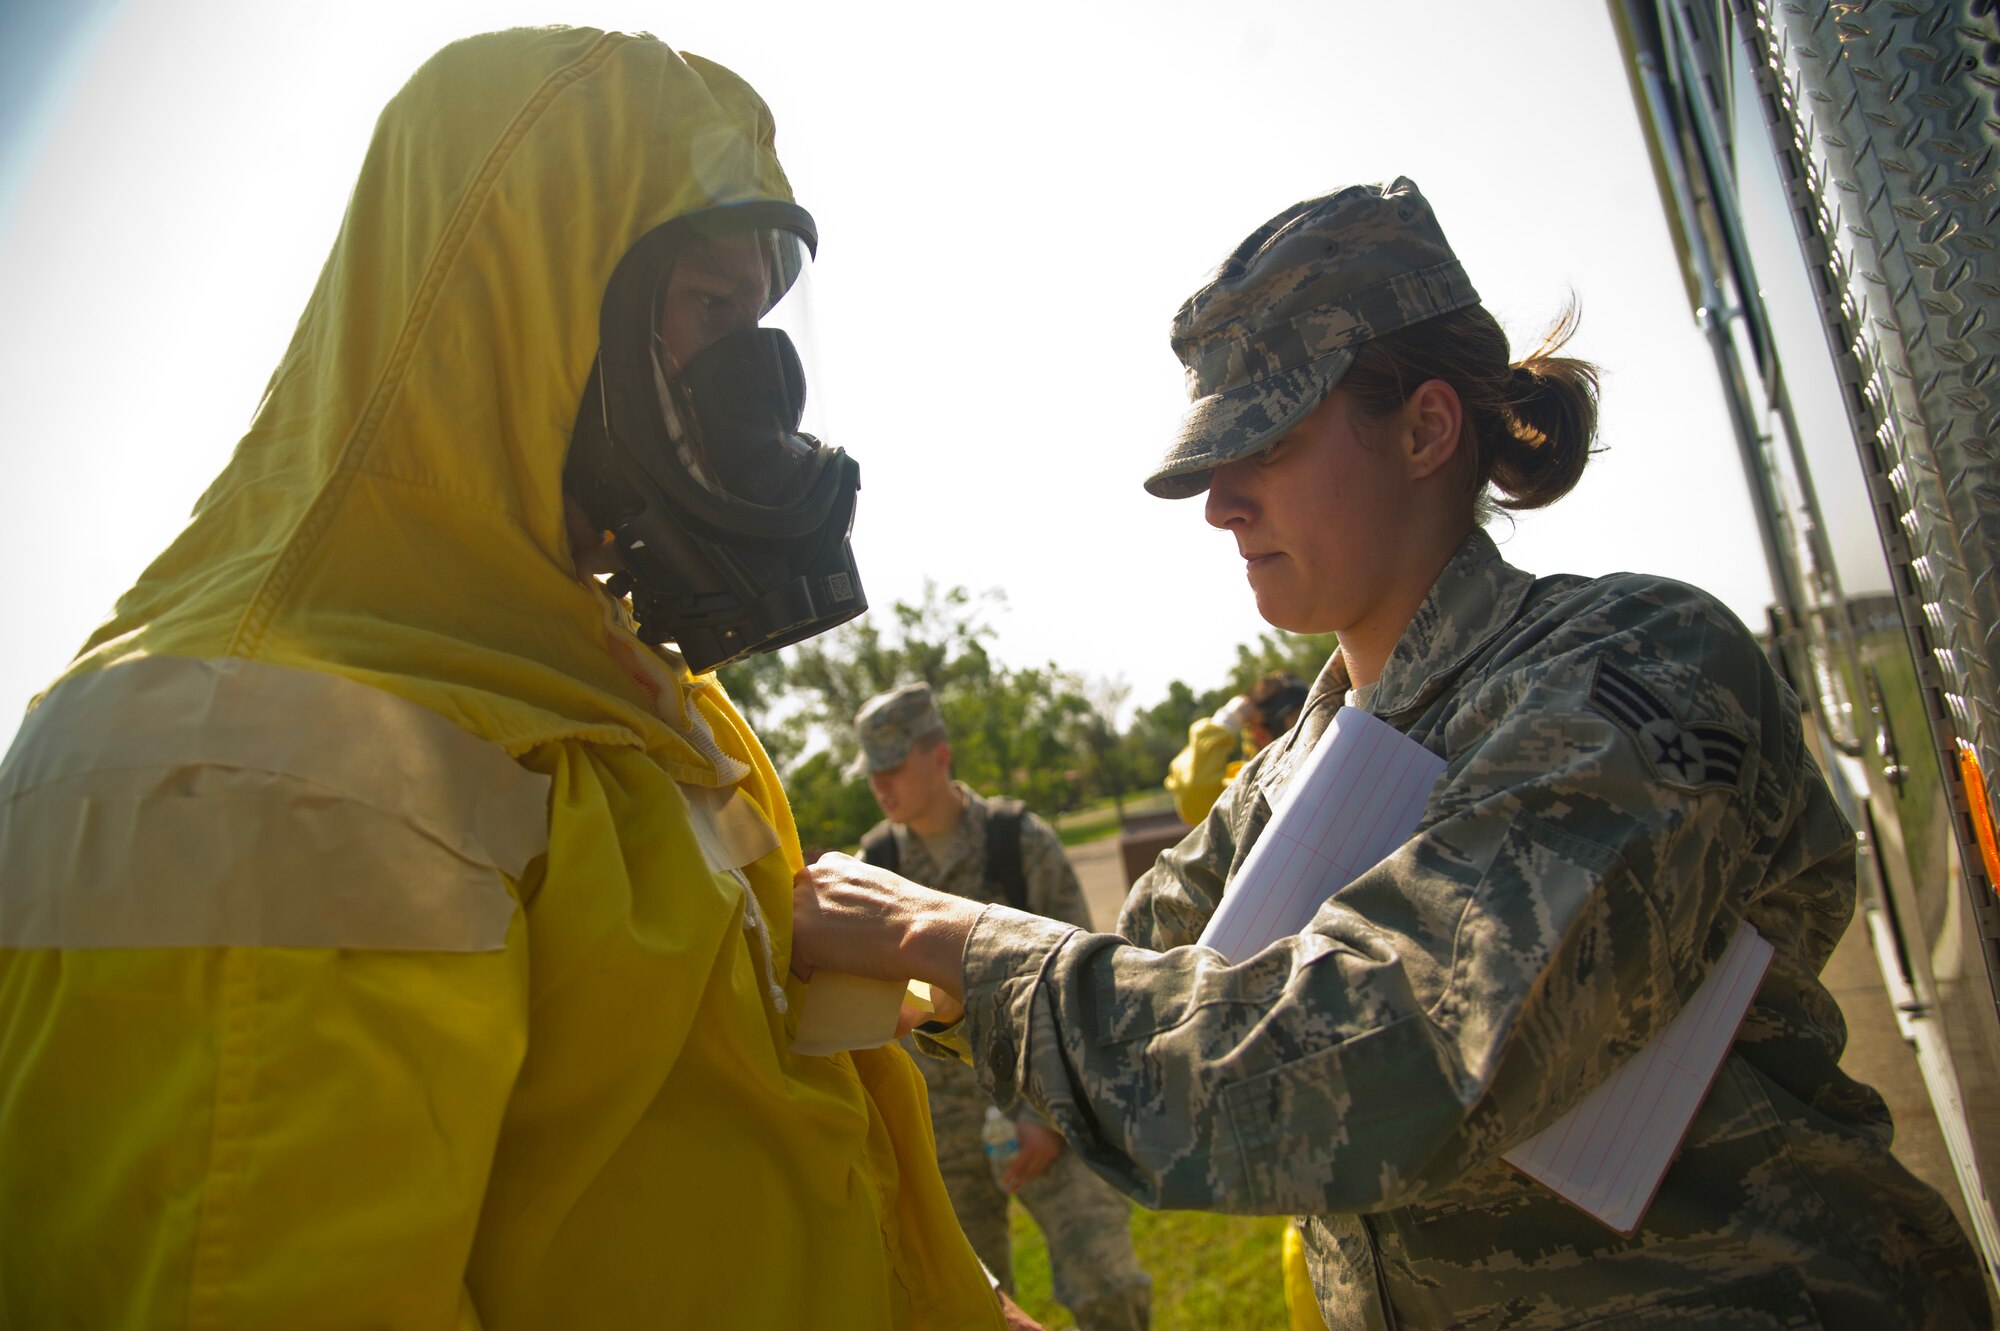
(1609,1153)
(1357,797)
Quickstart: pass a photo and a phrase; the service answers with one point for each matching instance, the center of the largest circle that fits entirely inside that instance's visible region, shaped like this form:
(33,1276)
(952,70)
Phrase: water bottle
(999,1139)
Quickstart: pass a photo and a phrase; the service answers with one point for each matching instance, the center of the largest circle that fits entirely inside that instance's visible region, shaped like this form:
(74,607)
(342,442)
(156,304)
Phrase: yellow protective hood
(395,513)
(389,1022)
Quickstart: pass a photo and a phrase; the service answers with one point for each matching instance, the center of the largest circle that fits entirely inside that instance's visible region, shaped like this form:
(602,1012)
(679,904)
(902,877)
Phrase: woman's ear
(1433,419)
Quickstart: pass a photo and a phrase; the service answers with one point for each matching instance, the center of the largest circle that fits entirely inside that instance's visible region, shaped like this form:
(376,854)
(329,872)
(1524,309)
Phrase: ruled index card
(1609,1154)
(1355,798)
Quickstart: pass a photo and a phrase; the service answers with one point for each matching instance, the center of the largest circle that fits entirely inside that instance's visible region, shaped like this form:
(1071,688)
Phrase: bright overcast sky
(1012,202)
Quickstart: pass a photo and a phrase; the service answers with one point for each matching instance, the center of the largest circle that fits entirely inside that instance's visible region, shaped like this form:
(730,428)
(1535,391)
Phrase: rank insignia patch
(1692,757)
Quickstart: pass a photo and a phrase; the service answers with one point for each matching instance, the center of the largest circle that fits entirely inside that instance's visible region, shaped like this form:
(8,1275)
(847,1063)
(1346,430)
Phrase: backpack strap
(1003,849)
(878,847)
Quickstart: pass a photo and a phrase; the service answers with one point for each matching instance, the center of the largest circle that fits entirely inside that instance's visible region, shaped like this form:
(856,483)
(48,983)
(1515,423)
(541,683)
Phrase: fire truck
(1830,174)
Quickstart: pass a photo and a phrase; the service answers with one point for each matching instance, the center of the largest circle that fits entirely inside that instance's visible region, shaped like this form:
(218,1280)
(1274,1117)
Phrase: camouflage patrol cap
(891,723)
(1277,325)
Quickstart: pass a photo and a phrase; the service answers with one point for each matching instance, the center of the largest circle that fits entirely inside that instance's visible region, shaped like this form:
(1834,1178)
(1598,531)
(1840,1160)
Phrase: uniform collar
(1476,596)
(971,825)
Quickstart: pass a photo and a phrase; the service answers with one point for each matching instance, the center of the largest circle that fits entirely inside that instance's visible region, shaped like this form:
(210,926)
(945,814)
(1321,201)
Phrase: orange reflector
(1982,813)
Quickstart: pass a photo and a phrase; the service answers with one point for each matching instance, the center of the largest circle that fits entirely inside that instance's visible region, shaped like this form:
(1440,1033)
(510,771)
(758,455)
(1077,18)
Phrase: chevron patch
(1703,756)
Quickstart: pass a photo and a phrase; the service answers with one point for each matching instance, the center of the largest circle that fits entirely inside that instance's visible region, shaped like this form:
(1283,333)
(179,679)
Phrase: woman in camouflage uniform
(1626,782)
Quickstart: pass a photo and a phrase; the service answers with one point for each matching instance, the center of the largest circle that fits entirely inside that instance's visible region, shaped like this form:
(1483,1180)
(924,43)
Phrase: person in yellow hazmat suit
(1219,745)
(394,917)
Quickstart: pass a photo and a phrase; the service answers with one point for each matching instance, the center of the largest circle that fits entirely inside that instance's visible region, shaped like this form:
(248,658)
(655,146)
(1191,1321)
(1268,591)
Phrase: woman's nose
(1227,504)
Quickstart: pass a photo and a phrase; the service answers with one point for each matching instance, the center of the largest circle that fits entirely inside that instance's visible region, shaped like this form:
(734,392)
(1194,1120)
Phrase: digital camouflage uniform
(1087,1224)
(1626,780)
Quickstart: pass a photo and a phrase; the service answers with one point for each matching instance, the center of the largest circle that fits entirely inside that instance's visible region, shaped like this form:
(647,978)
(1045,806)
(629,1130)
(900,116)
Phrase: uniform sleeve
(1198,772)
(1567,892)
(1053,891)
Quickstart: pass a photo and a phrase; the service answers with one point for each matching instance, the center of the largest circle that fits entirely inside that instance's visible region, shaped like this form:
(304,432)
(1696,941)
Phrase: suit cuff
(1005,957)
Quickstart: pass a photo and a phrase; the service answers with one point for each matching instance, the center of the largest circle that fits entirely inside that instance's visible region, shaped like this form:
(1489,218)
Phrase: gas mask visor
(692,446)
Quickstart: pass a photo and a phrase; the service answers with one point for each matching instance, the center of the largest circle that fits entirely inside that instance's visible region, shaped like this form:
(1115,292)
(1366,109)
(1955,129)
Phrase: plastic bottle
(999,1139)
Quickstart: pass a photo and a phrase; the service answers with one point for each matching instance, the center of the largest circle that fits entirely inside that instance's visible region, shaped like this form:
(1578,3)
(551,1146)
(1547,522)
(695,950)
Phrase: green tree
(757,685)
(1303,654)
(940,641)
(831,807)
(1043,735)
(1158,732)
(1095,734)
(1012,731)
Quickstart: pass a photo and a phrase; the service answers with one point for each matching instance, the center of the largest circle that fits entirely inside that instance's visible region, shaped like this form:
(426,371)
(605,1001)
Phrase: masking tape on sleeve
(181,802)
(843,1012)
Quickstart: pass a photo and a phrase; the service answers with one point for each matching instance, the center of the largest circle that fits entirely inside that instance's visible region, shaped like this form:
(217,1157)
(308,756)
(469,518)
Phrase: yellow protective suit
(391,939)
(1200,772)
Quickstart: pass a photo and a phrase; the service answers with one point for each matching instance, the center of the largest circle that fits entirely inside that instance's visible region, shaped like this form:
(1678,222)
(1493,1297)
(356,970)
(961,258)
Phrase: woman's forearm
(934,944)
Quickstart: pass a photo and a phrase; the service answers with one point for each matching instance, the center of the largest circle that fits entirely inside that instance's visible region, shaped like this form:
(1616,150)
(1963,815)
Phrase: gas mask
(732,522)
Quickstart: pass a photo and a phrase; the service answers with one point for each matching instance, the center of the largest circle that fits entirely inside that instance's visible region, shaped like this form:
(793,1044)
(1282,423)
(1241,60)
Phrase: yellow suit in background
(390,938)
(1199,773)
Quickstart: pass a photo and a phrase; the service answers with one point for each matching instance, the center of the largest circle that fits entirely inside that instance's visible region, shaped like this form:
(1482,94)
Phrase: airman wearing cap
(891,724)
(1273,330)
(1625,789)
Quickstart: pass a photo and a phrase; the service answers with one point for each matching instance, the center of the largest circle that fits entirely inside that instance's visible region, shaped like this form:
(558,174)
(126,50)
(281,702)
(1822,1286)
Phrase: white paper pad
(1609,1153)
(1355,798)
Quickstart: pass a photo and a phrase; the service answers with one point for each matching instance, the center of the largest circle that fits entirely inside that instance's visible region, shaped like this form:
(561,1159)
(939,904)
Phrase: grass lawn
(1210,1272)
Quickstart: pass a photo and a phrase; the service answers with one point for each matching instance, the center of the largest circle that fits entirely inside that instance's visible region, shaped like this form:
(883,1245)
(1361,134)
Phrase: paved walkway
(1102,878)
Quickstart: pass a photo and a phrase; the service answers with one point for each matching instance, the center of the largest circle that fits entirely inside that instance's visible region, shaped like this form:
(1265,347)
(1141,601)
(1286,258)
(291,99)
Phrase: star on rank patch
(1701,756)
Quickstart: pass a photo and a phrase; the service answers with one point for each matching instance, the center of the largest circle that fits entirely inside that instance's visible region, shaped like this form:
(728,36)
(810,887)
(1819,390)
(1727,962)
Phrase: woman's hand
(848,915)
